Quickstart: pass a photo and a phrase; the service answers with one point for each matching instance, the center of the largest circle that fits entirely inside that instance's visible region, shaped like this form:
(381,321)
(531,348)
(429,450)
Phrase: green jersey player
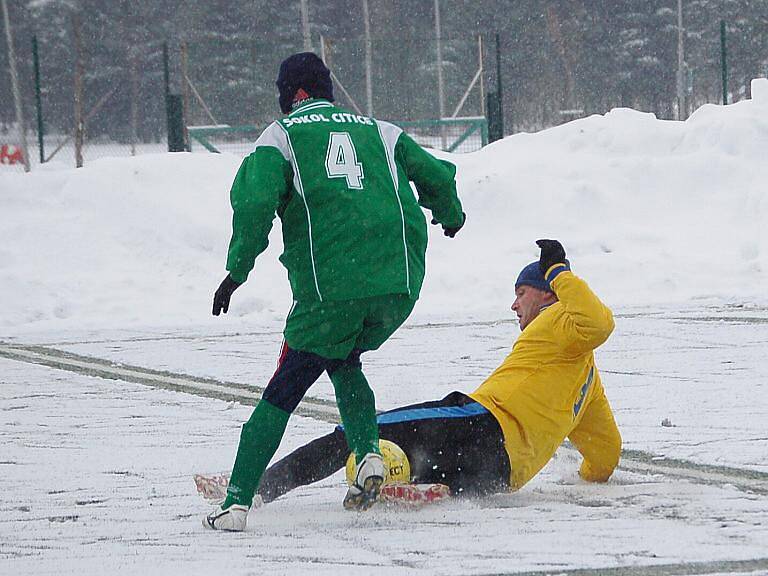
(354,238)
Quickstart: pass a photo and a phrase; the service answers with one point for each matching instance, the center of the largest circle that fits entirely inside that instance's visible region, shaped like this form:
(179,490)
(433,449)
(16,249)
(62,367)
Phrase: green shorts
(334,329)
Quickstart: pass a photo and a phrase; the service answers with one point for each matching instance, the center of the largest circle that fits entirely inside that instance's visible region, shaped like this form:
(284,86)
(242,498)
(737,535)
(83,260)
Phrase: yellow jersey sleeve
(585,322)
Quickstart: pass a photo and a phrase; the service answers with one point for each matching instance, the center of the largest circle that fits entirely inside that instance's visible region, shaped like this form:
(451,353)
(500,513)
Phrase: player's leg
(261,435)
(356,403)
(597,438)
(357,408)
(453,441)
(383,315)
(331,330)
(308,464)
(322,457)
(355,399)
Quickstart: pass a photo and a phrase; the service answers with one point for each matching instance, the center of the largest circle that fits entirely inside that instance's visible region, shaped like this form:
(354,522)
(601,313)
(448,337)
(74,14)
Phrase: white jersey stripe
(393,132)
(300,189)
(274,138)
(311,106)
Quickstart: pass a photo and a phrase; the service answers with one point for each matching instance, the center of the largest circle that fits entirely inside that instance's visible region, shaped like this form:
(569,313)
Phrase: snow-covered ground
(118,261)
(98,473)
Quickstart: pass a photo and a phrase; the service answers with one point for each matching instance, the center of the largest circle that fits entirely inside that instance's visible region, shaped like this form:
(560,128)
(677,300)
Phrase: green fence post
(175,112)
(166,70)
(494,108)
(174,109)
(499,92)
(724,61)
(38,99)
(495,121)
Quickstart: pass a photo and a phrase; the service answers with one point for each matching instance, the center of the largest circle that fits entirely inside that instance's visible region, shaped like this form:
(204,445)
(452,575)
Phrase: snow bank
(650,212)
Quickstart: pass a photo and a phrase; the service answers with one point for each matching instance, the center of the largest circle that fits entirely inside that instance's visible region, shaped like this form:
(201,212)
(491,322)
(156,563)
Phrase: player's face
(528,303)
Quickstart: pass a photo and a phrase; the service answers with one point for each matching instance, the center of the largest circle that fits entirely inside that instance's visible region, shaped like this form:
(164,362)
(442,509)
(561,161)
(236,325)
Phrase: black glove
(451,232)
(552,252)
(223,294)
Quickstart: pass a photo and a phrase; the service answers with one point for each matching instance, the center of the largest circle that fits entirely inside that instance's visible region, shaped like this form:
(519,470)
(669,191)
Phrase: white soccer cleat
(369,476)
(233,519)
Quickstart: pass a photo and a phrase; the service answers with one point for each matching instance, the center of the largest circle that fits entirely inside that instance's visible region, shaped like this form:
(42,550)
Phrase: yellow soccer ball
(397,469)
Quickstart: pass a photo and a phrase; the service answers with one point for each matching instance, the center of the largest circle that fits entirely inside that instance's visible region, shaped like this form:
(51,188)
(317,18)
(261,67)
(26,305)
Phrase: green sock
(259,440)
(357,406)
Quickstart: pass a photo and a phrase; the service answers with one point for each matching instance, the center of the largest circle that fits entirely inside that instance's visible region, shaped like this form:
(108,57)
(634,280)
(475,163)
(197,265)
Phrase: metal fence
(118,98)
(84,103)
(241,92)
(115,100)
(452,135)
(117,95)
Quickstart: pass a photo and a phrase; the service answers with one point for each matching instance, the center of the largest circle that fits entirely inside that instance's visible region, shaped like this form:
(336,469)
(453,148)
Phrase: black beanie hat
(303,70)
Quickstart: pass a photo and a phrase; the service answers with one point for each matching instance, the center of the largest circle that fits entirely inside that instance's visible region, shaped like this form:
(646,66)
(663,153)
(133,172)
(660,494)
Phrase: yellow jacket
(543,388)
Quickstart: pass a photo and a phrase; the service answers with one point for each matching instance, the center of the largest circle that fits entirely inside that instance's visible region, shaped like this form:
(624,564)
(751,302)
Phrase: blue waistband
(465,411)
(411,414)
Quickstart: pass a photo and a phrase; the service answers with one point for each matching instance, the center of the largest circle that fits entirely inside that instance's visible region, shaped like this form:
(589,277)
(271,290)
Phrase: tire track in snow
(632,460)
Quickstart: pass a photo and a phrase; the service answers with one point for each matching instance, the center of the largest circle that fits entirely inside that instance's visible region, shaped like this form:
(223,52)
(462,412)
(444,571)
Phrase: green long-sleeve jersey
(339,182)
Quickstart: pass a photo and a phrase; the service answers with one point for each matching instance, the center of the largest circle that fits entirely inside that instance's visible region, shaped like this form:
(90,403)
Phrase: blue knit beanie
(303,70)
(531,276)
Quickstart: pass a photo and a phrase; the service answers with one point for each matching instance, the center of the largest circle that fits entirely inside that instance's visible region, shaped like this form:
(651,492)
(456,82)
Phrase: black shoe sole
(367,497)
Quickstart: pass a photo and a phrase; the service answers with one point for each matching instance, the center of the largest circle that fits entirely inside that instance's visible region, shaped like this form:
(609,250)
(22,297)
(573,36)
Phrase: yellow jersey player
(501,435)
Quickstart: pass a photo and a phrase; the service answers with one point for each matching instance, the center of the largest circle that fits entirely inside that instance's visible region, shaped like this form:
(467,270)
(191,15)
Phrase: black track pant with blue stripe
(453,441)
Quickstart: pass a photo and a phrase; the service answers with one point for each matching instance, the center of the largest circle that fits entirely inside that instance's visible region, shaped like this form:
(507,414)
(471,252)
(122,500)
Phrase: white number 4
(341,160)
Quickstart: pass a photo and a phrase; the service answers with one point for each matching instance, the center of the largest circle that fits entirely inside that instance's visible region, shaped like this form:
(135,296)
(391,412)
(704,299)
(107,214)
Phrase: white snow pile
(650,212)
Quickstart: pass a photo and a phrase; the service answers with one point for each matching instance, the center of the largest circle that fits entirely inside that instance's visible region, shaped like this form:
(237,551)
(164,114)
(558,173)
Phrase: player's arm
(435,181)
(263,179)
(587,322)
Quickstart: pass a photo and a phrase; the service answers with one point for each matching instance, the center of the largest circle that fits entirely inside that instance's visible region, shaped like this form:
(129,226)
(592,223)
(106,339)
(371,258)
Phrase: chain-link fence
(119,96)
(452,135)
(229,100)
(116,99)
(116,90)
(239,88)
